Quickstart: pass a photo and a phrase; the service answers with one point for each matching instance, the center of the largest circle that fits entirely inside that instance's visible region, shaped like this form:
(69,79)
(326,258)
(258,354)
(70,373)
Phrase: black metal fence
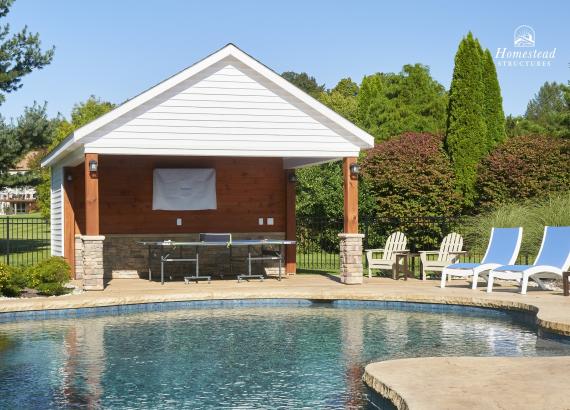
(318,243)
(24,240)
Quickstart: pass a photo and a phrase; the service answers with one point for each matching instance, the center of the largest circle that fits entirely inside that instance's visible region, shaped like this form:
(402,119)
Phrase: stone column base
(351,271)
(78,257)
(93,262)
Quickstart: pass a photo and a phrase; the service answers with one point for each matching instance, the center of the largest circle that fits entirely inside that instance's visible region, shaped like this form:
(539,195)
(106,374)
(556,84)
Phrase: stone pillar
(351,258)
(78,257)
(93,262)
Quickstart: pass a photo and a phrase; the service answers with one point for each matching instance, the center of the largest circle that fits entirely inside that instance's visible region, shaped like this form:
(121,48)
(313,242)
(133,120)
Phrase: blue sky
(116,49)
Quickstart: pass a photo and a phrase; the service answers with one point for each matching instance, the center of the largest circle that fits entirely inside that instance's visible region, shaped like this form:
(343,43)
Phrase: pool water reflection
(241,357)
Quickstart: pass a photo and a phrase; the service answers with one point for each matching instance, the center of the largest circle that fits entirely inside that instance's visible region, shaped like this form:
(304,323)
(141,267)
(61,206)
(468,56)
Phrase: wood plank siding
(246,188)
(228,113)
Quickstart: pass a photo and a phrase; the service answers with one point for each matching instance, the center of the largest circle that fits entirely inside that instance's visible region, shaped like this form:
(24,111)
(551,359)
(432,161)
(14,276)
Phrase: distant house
(19,200)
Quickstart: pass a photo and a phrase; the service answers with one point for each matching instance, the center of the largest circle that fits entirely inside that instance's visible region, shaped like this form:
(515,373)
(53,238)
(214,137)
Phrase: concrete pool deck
(393,379)
(476,383)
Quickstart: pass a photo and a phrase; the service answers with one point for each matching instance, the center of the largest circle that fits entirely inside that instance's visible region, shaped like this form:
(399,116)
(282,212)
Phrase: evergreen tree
(20,54)
(494,114)
(466,137)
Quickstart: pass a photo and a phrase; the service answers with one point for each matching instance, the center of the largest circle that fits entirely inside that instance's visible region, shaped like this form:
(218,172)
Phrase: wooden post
(350,196)
(291,223)
(350,239)
(91,197)
(69,219)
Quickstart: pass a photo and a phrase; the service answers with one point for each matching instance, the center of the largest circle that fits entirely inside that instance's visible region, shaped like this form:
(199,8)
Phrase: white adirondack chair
(386,258)
(449,252)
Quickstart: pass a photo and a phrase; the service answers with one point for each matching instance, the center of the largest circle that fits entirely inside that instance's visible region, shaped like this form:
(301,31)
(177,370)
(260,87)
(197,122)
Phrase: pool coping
(65,303)
(501,382)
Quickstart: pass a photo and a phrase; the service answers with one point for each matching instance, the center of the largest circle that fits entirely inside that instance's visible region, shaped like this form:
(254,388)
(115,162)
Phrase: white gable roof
(228,104)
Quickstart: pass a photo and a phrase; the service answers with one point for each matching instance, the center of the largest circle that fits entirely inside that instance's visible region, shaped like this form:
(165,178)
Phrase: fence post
(7,240)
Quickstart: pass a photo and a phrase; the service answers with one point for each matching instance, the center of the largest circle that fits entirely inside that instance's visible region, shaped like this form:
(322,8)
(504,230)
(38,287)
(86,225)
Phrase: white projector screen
(184,189)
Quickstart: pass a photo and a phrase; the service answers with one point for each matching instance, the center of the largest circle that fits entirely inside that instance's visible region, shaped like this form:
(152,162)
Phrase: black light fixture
(354,169)
(93,166)
(292,177)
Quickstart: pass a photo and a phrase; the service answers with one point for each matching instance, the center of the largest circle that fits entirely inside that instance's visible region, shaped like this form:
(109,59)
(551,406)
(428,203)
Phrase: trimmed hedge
(522,168)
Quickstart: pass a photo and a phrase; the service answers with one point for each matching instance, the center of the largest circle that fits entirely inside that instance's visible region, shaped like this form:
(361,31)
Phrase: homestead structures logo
(525,54)
(524,36)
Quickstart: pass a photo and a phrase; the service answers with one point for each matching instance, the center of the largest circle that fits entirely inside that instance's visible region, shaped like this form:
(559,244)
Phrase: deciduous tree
(389,103)
(304,82)
(81,114)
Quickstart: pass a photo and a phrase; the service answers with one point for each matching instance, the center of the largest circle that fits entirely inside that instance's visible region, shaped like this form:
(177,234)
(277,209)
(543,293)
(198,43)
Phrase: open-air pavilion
(228,116)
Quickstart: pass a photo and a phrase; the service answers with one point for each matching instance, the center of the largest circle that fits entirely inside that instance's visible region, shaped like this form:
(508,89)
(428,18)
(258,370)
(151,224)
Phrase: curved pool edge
(14,309)
(383,389)
(455,388)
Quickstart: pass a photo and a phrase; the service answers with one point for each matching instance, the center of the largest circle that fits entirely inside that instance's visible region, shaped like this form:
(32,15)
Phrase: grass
(29,239)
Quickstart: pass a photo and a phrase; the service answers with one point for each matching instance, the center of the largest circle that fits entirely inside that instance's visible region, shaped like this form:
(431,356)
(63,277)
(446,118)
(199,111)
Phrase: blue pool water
(279,356)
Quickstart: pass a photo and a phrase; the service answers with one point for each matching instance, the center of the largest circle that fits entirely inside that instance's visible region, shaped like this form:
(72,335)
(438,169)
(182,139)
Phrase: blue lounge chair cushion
(513,268)
(463,266)
(504,244)
(555,247)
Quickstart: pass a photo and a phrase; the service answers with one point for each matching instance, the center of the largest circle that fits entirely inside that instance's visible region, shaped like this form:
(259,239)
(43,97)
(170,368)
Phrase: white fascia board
(297,163)
(218,153)
(73,139)
(66,145)
(362,139)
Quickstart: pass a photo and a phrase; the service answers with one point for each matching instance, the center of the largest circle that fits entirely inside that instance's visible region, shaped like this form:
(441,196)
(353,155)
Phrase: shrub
(411,176)
(10,281)
(4,277)
(49,276)
(531,215)
(524,167)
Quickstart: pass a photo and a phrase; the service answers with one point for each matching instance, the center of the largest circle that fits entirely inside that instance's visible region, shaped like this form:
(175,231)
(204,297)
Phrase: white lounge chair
(395,243)
(553,258)
(503,249)
(449,252)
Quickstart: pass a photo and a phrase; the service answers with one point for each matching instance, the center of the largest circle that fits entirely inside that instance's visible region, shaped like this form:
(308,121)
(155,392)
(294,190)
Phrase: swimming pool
(278,354)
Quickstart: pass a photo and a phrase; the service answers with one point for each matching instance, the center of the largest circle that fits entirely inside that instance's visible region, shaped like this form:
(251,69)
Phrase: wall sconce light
(93,166)
(292,177)
(354,169)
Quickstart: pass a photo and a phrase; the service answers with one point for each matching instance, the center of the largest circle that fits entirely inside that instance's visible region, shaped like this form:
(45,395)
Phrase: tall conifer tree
(494,114)
(466,136)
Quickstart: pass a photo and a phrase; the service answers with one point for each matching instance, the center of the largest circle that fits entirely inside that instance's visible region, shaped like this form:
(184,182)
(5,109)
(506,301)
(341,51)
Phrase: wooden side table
(404,257)
(565,283)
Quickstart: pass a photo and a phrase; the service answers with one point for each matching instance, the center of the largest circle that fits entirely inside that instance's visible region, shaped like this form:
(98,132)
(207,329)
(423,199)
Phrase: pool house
(212,149)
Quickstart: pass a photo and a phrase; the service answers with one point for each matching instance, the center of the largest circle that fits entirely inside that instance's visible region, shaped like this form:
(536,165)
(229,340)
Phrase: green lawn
(29,239)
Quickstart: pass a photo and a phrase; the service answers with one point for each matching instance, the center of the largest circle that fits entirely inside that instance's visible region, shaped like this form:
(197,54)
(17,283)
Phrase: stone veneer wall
(351,270)
(78,257)
(93,273)
(124,258)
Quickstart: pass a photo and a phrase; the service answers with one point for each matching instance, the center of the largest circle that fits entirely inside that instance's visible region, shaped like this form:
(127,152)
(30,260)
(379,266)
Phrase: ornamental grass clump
(532,215)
